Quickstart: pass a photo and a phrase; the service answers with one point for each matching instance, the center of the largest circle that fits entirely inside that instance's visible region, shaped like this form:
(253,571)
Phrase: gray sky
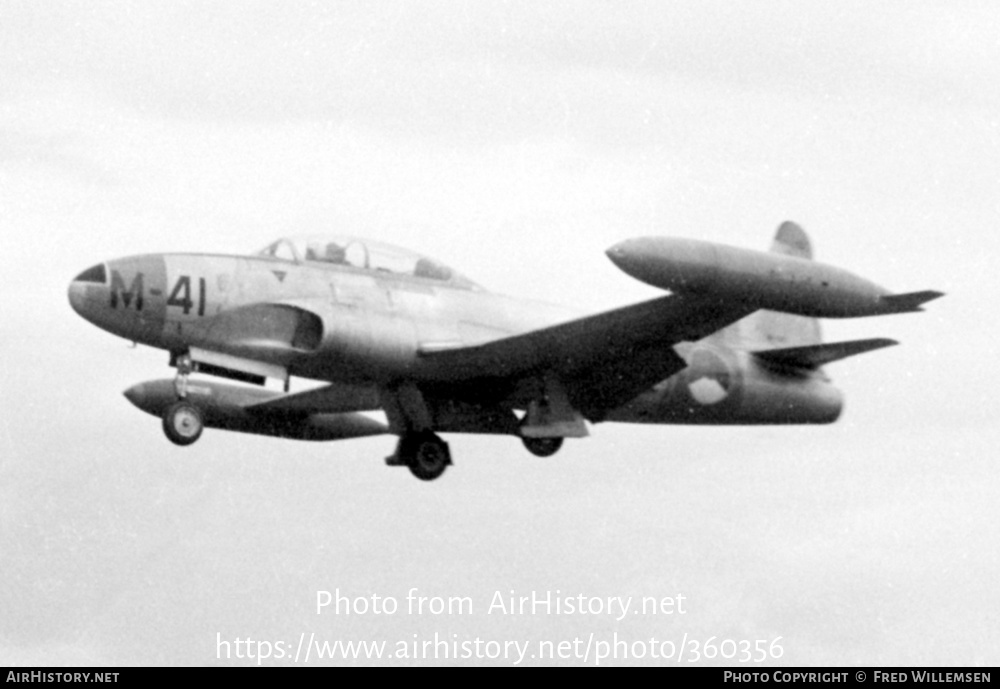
(515,141)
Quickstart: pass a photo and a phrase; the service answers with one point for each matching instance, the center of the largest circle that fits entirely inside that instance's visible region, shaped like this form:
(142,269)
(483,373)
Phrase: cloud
(450,68)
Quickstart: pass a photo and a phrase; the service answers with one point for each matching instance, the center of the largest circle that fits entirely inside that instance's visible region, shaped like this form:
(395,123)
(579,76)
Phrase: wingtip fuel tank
(226,407)
(775,281)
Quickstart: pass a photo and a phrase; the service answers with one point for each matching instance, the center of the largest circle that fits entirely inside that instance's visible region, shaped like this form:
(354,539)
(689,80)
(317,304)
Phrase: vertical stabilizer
(792,240)
(771,329)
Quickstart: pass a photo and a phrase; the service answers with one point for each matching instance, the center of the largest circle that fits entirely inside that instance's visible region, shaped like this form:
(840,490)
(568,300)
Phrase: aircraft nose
(80,288)
(76,297)
(124,296)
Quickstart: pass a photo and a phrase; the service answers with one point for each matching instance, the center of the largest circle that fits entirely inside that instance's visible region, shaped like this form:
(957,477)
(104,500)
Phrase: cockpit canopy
(363,254)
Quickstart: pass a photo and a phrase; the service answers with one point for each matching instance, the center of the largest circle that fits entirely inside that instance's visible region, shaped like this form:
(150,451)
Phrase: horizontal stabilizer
(911,301)
(814,356)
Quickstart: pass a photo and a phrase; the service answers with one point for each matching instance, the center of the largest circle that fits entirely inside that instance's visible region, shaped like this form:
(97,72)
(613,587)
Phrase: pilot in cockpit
(335,253)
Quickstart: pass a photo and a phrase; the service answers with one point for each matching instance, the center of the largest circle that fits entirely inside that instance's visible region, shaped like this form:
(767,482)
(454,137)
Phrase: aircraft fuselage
(344,325)
(736,341)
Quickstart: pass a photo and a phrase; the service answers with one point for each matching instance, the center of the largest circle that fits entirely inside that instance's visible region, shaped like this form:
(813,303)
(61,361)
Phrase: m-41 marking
(180,295)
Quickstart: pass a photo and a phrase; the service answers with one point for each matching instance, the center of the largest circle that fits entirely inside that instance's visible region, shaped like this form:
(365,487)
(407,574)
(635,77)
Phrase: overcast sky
(515,141)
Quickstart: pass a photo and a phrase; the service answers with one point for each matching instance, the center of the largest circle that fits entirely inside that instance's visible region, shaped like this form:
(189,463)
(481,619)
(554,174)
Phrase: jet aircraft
(735,340)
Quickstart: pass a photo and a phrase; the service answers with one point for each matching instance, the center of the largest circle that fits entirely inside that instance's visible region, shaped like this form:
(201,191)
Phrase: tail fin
(912,301)
(792,240)
(770,329)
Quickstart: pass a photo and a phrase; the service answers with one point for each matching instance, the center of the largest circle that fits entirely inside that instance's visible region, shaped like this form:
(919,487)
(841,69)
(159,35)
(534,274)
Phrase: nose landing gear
(183,423)
(185,366)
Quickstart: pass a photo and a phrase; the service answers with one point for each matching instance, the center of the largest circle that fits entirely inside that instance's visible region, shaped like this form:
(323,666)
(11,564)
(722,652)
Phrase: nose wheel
(183,423)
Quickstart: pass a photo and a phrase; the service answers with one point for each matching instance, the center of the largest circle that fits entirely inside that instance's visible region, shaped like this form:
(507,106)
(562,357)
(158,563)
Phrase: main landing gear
(426,455)
(542,447)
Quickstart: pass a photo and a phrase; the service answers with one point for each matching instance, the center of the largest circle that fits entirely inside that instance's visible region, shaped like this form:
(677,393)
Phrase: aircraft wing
(602,361)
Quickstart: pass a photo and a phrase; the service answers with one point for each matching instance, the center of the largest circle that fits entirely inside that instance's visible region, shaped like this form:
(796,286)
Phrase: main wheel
(542,447)
(428,456)
(183,423)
